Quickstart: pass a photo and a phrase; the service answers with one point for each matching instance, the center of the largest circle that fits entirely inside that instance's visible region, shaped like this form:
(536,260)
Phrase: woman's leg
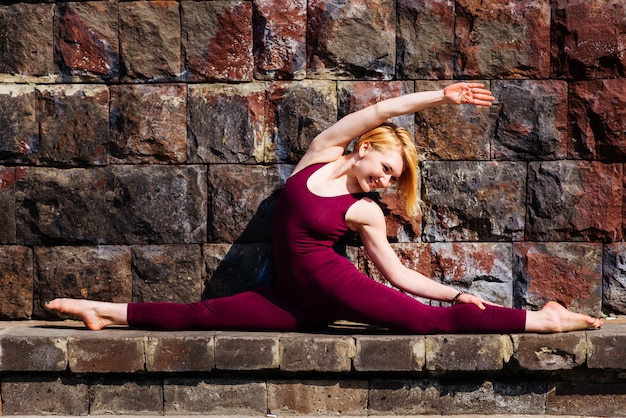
(261,309)
(555,318)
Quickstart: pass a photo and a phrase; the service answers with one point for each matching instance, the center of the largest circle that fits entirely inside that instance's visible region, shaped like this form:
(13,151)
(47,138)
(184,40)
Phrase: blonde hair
(390,136)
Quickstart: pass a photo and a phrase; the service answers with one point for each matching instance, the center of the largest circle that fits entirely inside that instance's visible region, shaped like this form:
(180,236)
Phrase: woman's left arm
(368,220)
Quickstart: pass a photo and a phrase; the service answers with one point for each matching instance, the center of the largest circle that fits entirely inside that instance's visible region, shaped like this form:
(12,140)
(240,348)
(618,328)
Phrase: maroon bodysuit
(316,286)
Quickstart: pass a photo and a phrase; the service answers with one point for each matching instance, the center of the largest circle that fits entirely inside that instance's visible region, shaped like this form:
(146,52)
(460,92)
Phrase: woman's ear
(365,146)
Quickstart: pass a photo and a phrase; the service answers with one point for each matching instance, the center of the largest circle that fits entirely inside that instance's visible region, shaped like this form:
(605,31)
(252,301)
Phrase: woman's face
(377,169)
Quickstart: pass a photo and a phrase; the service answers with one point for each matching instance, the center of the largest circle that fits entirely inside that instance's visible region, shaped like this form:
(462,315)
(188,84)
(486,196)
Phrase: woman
(323,199)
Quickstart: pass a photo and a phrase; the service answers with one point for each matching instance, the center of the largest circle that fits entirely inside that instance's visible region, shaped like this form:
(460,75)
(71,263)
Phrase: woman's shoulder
(365,211)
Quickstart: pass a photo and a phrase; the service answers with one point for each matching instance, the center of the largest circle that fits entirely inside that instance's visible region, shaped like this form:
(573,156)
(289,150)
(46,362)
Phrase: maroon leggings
(270,309)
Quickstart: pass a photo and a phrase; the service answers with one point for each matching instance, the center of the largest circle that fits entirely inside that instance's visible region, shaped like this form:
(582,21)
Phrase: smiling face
(377,169)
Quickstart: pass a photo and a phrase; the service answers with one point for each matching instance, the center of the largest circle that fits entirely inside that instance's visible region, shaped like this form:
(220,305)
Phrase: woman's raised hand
(468,93)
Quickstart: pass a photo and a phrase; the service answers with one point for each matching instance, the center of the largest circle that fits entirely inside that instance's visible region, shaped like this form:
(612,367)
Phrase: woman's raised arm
(332,143)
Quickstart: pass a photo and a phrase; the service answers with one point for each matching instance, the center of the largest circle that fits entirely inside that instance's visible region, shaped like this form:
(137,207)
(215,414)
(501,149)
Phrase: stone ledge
(30,346)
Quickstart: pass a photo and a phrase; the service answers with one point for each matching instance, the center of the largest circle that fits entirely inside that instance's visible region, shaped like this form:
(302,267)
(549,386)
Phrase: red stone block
(217,40)
(351,39)
(574,201)
(453,132)
(280,41)
(598,120)
(569,273)
(148,124)
(88,42)
(503,39)
(588,39)
(16,282)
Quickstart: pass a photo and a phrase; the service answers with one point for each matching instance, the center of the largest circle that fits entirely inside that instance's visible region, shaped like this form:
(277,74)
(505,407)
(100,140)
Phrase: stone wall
(143,144)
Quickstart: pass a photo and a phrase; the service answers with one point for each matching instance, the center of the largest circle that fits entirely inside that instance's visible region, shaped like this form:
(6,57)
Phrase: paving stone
(27,353)
(345,397)
(215,397)
(44,396)
(550,352)
(217,40)
(606,348)
(467,352)
(389,353)
(94,355)
(181,352)
(320,353)
(123,397)
(247,351)
(280,39)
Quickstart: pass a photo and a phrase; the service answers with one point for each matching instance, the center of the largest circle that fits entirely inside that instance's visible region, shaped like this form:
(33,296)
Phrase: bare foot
(96,315)
(553,317)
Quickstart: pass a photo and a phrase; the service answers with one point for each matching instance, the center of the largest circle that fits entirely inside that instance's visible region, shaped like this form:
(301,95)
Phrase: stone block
(502,39)
(215,397)
(474,201)
(351,39)
(217,40)
(150,39)
(148,124)
(280,39)
(182,352)
(100,273)
(88,42)
(570,273)
(614,278)
(425,39)
(356,95)
(19,137)
(27,39)
(467,352)
(588,39)
(227,123)
(7,205)
(453,132)
(126,397)
(242,200)
(299,111)
(597,119)
(30,353)
(234,268)
(406,397)
(74,125)
(114,354)
(520,398)
(389,353)
(16,282)
(247,351)
(308,397)
(44,396)
(606,348)
(112,205)
(586,399)
(532,120)
(302,353)
(473,398)
(167,273)
(574,201)
(483,269)
(550,352)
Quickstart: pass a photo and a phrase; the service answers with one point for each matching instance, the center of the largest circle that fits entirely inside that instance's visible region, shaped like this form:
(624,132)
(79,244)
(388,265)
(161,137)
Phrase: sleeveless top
(305,228)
